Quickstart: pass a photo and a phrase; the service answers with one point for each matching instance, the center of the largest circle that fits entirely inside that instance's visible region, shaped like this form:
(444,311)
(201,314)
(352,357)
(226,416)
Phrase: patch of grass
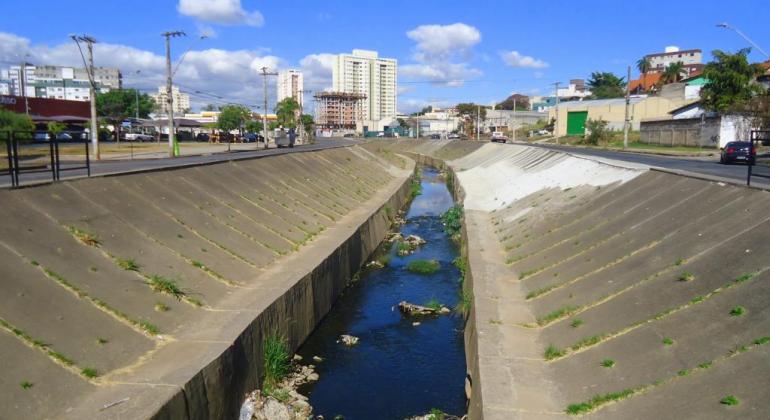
(730,400)
(762,340)
(404,248)
(93,269)
(194,301)
(586,342)
(384,259)
(553,352)
(683,372)
(89,372)
(35,263)
(415,188)
(161,307)
(737,311)
(667,341)
(686,276)
(453,220)
(697,299)
(83,236)
(101,340)
(608,363)
(128,264)
(165,285)
(279,394)
(436,414)
(26,385)
(434,304)
(744,277)
(60,357)
(198,264)
(557,314)
(148,327)
(423,266)
(277,360)
(466,302)
(525,274)
(597,401)
(576,323)
(535,293)
(679,262)
(705,365)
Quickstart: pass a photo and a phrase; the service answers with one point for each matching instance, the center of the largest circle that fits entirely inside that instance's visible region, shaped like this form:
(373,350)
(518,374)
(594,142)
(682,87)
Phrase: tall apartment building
(365,73)
(290,85)
(57,82)
(181,100)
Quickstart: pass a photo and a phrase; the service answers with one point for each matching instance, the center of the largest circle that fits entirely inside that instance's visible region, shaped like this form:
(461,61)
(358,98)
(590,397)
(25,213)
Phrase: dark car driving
(738,151)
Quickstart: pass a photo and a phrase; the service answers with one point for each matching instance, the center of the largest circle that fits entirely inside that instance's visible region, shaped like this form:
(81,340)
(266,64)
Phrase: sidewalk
(659,151)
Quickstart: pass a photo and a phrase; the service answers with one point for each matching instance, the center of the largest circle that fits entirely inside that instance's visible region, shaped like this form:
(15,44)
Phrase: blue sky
(448,51)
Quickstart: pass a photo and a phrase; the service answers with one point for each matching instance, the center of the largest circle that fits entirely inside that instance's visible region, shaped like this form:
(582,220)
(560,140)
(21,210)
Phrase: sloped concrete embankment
(612,292)
(150,295)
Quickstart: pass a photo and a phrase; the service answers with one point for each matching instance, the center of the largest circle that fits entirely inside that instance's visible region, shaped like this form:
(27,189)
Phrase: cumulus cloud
(225,12)
(516,59)
(232,75)
(442,54)
(317,71)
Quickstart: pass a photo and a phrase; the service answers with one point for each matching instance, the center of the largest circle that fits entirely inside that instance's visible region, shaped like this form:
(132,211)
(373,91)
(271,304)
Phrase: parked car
(453,136)
(435,136)
(40,136)
(348,135)
(738,151)
(253,138)
(498,137)
(202,137)
(138,137)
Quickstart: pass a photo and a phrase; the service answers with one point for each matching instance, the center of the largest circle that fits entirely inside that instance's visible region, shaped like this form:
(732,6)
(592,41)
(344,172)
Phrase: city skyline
(446,55)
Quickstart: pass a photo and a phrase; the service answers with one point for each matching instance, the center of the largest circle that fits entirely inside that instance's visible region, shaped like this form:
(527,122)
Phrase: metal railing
(757,137)
(16,141)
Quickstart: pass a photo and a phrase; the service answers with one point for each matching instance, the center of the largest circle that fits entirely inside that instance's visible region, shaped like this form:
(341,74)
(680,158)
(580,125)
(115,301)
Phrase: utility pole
(264,114)
(90,41)
(513,135)
(418,126)
(136,91)
(23,83)
(173,146)
(478,121)
(627,123)
(556,120)
(302,134)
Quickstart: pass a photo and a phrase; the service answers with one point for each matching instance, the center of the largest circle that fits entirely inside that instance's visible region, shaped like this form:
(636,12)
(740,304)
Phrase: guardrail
(17,140)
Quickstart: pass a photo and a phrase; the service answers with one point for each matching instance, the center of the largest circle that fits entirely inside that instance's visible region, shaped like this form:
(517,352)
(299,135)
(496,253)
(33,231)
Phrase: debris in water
(348,340)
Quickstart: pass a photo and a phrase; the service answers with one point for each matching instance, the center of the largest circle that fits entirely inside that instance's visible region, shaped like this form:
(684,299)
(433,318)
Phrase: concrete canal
(403,365)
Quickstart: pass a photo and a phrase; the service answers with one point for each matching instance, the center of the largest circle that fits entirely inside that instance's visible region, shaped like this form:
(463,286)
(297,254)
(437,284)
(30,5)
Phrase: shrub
(730,400)
(164,285)
(453,219)
(597,131)
(737,311)
(552,352)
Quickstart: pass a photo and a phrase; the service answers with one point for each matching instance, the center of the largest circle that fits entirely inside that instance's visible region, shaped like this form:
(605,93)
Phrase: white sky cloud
(442,54)
(516,59)
(225,12)
(317,71)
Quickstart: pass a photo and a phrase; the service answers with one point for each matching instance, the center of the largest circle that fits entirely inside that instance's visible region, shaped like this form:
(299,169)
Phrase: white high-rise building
(57,82)
(364,72)
(290,85)
(181,100)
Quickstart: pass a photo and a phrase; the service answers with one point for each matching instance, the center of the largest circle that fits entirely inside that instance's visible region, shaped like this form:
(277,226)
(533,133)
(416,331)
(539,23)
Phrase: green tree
(210,107)
(307,122)
(673,73)
(469,113)
(56,127)
(286,110)
(11,121)
(403,123)
(232,117)
(605,85)
(643,65)
(731,83)
(118,104)
(253,126)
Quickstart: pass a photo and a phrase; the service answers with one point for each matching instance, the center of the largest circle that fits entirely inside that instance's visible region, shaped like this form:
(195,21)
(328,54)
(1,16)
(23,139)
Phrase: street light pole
(725,25)
(513,135)
(90,41)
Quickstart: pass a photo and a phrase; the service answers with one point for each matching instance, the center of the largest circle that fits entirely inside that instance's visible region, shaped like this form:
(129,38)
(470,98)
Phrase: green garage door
(576,123)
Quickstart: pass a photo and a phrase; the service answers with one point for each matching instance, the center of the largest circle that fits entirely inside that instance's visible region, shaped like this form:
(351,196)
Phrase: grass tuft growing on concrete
(553,352)
(668,341)
(576,323)
(466,302)
(539,292)
(164,285)
(686,276)
(730,400)
(128,264)
(26,385)
(83,236)
(557,314)
(737,311)
(608,363)
(89,372)
(597,401)
(434,304)
(423,266)
(148,327)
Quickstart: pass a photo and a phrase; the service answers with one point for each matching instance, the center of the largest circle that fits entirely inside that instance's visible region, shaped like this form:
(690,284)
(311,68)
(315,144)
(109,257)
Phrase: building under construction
(338,110)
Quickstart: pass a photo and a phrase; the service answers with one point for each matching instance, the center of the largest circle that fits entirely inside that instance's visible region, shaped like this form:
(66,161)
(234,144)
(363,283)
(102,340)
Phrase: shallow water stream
(397,369)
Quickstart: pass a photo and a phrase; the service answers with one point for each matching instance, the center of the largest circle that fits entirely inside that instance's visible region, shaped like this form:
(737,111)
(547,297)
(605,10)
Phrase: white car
(498,137)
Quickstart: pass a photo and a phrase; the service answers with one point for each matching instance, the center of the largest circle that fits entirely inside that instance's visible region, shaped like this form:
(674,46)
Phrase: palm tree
(673,73)
(644,65)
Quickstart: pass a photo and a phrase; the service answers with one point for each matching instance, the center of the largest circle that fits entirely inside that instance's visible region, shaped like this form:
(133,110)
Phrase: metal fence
(39,158)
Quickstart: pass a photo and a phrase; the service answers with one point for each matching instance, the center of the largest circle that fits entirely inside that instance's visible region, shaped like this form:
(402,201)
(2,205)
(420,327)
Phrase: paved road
(708,166)
(123,166)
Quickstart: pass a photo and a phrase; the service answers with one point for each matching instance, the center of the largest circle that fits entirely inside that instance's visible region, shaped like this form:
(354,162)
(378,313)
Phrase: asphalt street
(139,165)
(708,166)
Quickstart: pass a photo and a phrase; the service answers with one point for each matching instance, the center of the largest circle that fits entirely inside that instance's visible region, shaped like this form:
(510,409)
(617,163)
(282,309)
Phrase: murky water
(397,370)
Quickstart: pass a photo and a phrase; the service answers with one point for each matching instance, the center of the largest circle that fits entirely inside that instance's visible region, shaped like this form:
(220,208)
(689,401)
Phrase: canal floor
(397,369)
